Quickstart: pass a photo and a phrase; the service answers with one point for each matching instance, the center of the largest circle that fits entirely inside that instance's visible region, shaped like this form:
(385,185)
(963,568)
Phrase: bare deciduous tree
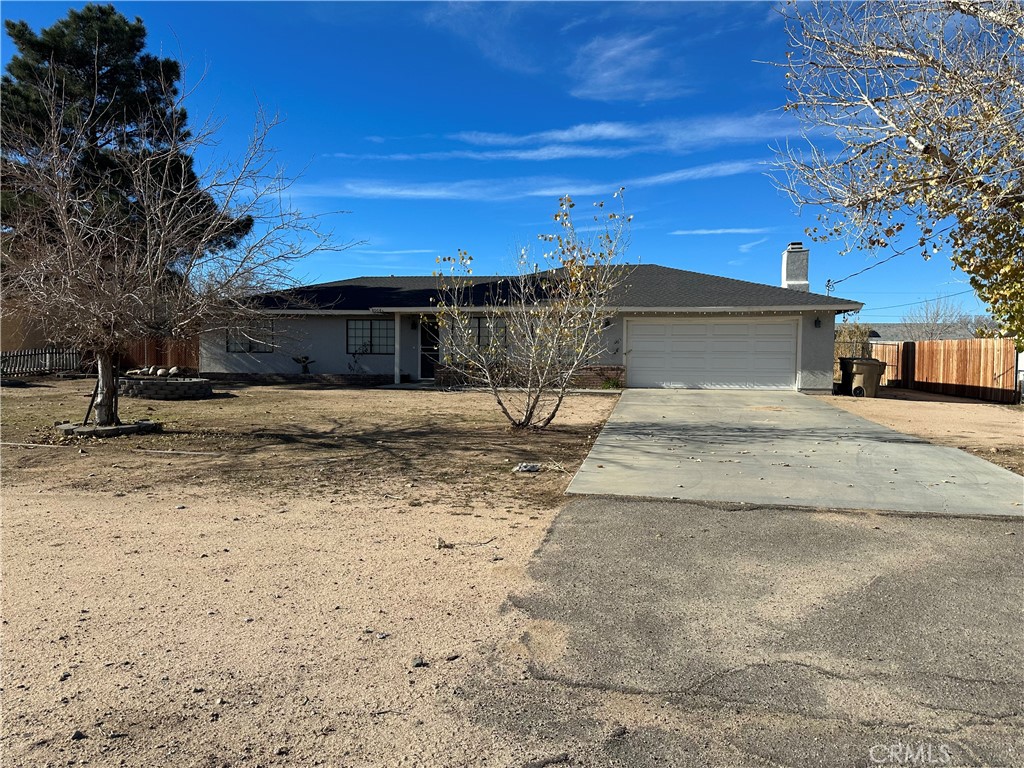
(526,336)
(913,114)
(112,234)
(940,319)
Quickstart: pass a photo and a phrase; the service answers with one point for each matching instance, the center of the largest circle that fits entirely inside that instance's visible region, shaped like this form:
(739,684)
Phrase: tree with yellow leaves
(525,337)
(913,117)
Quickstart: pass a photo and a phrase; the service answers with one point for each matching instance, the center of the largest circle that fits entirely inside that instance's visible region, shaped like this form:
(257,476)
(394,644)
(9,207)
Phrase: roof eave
(852,306)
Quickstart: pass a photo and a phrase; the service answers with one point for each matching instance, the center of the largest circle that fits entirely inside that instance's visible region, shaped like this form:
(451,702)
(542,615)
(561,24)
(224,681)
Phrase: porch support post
(398,348)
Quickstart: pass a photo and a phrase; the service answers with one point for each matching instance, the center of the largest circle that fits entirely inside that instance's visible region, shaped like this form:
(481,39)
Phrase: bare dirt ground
(283,577)
(294,576)
(988,430)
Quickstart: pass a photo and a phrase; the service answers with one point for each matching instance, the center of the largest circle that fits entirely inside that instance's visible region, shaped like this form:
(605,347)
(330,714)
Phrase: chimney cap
(796,244)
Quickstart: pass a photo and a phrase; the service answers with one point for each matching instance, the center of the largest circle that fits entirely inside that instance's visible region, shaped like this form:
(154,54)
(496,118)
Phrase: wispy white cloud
(549,152)
(724,231)
(406,252)
(708,171)
(626,68)
(675,135)
(490,27)
(747,247)
(603,139)
(512,188)
(603,131)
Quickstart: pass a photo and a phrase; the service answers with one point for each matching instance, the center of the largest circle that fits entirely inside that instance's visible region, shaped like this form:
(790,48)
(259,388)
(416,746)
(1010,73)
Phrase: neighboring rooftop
(921,331)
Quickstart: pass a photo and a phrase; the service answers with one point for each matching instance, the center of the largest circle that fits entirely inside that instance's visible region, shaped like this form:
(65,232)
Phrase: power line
(924,301)
(830,284)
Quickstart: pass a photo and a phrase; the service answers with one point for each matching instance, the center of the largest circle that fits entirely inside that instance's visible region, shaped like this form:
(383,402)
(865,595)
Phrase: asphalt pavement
(674,634)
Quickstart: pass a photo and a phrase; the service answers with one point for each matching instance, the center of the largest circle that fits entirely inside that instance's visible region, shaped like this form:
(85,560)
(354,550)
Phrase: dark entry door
(430,350)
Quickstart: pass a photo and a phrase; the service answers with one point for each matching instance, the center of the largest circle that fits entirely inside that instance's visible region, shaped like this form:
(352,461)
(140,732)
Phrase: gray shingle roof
(647,286)
(650,285)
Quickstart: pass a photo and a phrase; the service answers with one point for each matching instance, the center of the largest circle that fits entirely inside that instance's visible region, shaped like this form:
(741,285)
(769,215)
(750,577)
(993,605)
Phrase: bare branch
(913,113)
(525,337)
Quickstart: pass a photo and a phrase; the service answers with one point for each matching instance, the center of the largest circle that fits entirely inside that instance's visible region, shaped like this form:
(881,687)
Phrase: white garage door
(712,354)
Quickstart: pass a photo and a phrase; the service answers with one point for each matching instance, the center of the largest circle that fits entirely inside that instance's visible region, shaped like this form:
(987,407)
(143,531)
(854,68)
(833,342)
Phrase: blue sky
(447,126)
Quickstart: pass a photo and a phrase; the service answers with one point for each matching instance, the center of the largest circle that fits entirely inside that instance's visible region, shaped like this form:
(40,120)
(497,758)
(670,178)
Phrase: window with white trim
(371,337)
(256,338)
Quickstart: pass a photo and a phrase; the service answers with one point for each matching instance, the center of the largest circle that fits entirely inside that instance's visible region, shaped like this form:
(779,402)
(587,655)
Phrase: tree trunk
(106,392)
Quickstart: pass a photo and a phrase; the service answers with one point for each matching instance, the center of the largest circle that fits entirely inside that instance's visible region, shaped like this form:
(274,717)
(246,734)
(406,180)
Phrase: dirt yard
(992,432)
(294,576)
(283,577)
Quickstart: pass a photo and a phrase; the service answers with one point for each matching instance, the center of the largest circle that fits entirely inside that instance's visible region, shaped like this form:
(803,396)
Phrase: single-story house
(672,328)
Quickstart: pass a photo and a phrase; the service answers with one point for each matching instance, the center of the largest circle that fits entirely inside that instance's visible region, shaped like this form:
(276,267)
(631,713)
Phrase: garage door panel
(728,363)
(712,354)
(688,347)
(724,331)
(683,331)
(725,347)
(773,346)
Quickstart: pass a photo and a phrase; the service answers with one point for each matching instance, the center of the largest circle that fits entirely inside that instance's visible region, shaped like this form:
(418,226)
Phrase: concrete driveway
(785,449)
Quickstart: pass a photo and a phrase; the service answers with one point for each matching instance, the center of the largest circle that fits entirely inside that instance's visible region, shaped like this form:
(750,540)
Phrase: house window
(258,337)
(371,337)
(481,328)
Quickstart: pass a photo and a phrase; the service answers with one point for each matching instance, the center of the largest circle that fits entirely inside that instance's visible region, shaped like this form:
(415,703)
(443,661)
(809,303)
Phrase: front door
(430,350)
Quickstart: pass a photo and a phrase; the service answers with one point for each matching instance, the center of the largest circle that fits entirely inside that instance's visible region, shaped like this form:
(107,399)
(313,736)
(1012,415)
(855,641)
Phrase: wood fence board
(161,352)
(983,369)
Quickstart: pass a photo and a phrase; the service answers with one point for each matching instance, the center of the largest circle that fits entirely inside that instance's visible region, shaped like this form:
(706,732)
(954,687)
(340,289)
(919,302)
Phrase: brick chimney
(794,267)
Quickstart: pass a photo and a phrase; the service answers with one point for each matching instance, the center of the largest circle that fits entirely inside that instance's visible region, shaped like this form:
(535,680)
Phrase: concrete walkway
(786,449)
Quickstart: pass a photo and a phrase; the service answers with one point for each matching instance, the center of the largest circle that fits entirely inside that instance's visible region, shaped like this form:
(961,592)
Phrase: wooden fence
(161,352)
(888,352)
(24,362)
(982,369)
